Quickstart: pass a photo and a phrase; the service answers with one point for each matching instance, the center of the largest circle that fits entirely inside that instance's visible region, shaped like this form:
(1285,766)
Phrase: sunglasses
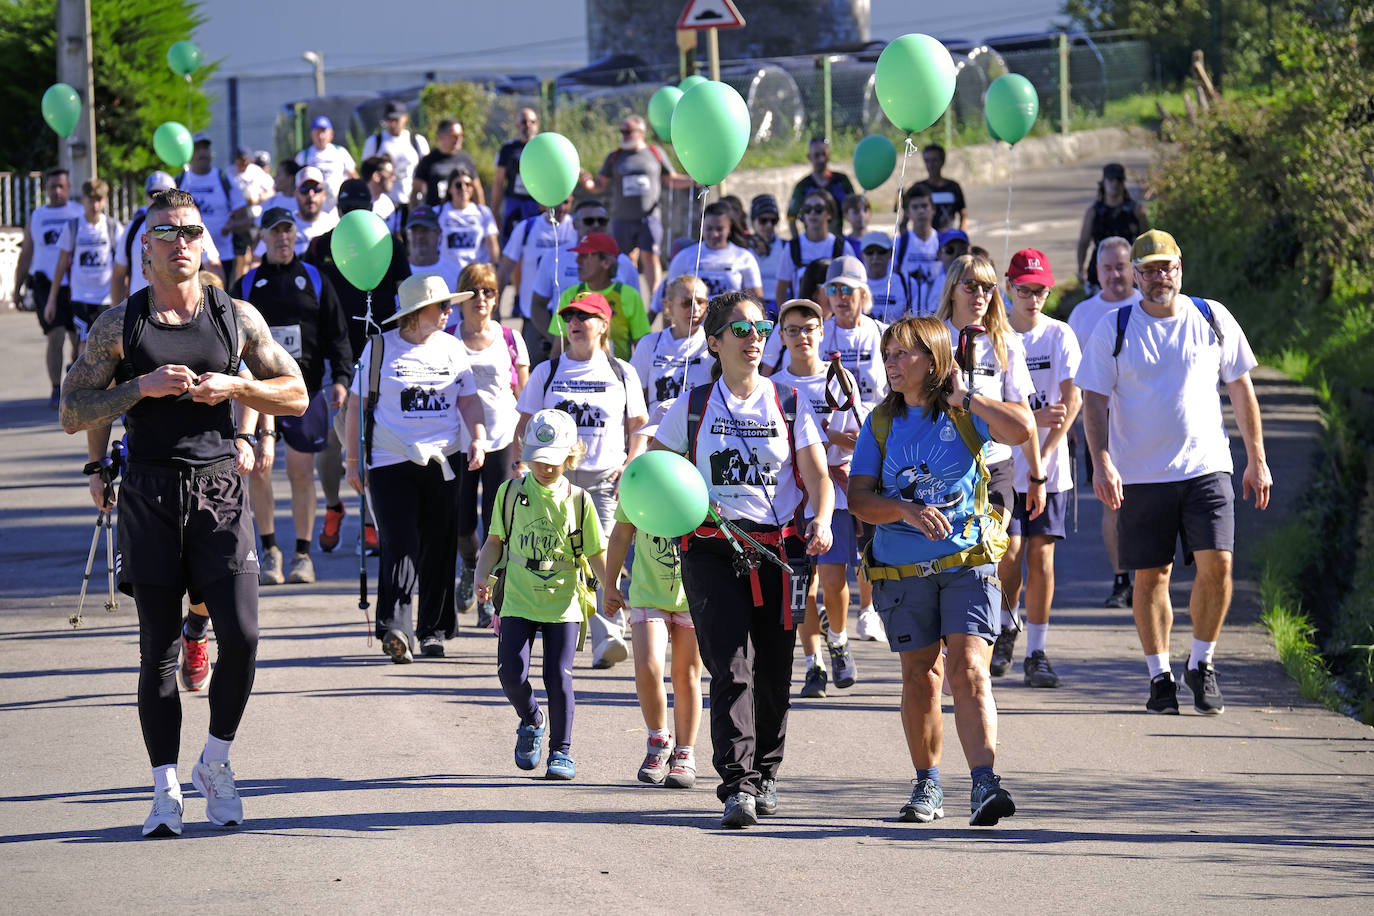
(814,209)
(595,220)
(167,233)
(766,220)
(974,287)
(484,292)
(310,189)
(840,289)
(575,315)
(743,329)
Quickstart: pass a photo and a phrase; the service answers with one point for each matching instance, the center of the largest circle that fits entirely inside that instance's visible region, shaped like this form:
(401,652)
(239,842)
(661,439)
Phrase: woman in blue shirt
(934,577)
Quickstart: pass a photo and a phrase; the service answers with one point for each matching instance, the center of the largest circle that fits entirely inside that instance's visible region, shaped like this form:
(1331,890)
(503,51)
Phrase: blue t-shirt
(928,463)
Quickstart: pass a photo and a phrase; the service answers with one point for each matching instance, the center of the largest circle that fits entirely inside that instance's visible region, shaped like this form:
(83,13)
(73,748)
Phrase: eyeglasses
(743,329)
(974,287)
(1039,295)
(840,289)
(797,330)
(310,189)
(168,233)
(594,220)
(815,209)
(445,306)
(1166,271)
(484,292)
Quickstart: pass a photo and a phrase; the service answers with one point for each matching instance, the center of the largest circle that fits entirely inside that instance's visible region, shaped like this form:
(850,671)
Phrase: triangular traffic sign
(710,14)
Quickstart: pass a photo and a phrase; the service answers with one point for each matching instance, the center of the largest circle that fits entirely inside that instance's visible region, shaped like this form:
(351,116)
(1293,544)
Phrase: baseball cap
(1155,245)
(1030,266)
(354,195)
(321,123)
(158,181)
(875,240)
(422,216)
(275,216)
(589,303)
(951,235)
(244,152)
(309,173)
(396,107)
(597,243)
(763,203)
(550,437)
(1114,170)
(847,268)
(803,304)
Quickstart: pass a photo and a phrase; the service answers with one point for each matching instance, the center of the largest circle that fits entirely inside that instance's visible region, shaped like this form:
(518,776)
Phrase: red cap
(590,303)
(597,243)
(1030,266)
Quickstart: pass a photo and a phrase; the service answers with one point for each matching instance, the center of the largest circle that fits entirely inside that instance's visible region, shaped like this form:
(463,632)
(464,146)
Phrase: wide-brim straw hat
(416,292)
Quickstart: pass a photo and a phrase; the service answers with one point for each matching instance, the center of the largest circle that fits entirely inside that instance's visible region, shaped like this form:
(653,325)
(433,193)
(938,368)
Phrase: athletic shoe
(870,626)
(329,534)
(613,650)
(1122,595)
(989,802)
(767,802)
(682,773)
(165,820)
(54,400)
(1002,651)
(432,647)
(654,769)
(270,567)
(529,746)
(466,594)
(302,570)
(396,645)
(739,811)
(814,687)
(1163,695)
(215,781)
(1037,670)
(560,767)
(370,543)
(842,663)
(1202,680)
(195,662)
(926,803)
(486,613)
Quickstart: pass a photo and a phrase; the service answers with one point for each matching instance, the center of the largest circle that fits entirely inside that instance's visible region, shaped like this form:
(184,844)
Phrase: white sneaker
(165,820)
(215,781)
(870,626)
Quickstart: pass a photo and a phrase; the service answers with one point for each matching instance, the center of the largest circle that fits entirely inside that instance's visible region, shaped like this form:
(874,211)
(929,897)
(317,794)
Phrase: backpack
(310,271)
(140,215)
(1123,318)
(414,142)
(785,398)
(374,376)
(75,226)
(903,244)
(658,155)
(616,368)
(223,316)
(794,252)
(223,183)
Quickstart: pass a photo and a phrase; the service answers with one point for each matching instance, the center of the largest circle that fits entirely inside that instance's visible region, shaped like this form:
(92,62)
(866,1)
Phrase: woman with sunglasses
(467,230)
(500,366)
(674,359)
(816,241)
(755,462)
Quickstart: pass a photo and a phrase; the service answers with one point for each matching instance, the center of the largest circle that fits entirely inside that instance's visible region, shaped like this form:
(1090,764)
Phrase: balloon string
(909,149)
(1006,233)
(189,92)
(701,232)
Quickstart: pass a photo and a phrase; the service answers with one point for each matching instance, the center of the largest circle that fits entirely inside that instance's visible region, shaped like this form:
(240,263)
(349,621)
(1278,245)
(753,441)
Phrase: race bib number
(634,185)
(289,336)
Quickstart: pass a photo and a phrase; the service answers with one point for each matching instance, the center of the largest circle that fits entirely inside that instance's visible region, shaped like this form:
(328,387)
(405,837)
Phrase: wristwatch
(251,439)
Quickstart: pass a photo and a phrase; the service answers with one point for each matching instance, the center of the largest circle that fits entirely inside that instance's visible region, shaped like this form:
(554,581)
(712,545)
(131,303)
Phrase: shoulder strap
(315,283)
(134,225)
(657,153)
(374,377)
(903,244)
(226,321)
(135,315)
(1123,318)
(415,143)
(697,399)
(839,247)
(553,370)
(794,250)
(181,177)
(247,282)
(224,184)
(513,351)
(1206,311)
(786,398)
(111,232)
(964,423)
(880,422)
(377,143)
(580,508)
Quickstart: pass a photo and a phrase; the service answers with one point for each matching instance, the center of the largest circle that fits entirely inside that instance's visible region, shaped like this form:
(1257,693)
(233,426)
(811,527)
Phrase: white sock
(814,660)
(216,750)
(1202,652)
(685,748)
(865,609)
(1159,664)
(836,639)
(165,777)
(1035,637)
(659,733)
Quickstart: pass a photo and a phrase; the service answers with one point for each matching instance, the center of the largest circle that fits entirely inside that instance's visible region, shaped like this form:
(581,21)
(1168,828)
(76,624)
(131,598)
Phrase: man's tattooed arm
(277,386)
(88,401)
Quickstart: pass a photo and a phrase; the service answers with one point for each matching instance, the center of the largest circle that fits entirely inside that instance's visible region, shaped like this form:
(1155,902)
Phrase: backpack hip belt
(772,539)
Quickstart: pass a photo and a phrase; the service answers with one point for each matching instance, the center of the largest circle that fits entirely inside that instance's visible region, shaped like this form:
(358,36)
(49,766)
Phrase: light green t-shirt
(629,321)
(542,522)
(656,577)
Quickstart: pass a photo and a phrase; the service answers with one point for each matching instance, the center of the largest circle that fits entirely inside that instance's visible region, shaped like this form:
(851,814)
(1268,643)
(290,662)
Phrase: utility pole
(77,153)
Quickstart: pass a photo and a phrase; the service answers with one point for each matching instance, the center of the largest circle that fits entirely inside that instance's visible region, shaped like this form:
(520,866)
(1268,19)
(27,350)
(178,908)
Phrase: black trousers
(749,656)
(416,511)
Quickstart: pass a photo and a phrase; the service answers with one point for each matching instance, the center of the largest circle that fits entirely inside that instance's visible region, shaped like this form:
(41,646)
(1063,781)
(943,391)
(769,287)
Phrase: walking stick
(108,469)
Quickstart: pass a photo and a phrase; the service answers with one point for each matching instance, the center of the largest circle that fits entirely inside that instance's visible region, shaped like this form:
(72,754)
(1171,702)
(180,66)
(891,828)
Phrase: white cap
(550,437)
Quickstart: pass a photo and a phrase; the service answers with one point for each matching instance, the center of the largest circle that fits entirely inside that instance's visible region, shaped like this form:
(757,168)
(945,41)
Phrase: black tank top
(176,430)
(1123,221)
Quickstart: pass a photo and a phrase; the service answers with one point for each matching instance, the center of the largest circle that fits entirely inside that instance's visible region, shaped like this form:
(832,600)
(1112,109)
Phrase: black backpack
(223,316)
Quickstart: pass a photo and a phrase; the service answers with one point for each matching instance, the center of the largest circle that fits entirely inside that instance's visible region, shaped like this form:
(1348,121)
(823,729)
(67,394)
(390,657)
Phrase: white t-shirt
(920,254)
(769,266)
(662,361)
(1086,314)
(812,389)
(326,221)
(215,208)
(92,251)
(334,162)
(404,157)
(992,381)
(462,233)
(558,272)
(209,254)
(722,269)
(385,208)
(528,243)
(1165,411)
(253,181)
(419,387)
(442,268)
(742,451)
(860,349)
(597,401)
(46,225)
(810,251)
(891,300)
(1051,359)
(924,291)
(491,368)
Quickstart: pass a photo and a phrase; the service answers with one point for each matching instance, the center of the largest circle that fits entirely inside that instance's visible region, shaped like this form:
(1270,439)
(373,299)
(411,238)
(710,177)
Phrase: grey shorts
(1155,516)
(1001,482)
(920,611)
(645,233)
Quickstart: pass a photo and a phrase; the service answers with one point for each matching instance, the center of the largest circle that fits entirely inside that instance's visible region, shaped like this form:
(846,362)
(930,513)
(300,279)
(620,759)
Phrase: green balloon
(914,81)
(184,58)
(696,79)
(874,159)
(710,131)
(992,131)
(1011,107)
(172,143)
(663,494)
(549,167)
(61,109)
(661,106)
(361,246)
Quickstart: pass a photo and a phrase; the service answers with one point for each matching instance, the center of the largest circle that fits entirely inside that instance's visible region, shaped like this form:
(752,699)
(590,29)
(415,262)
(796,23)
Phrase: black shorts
(1049,523)
(183,527)
(42,286)
(1000,485)
(1153,516)
(310,431)
(645,233)
(84,315)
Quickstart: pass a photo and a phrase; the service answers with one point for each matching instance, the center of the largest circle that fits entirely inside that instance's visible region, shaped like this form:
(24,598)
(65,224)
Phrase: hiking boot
(195,662)
(1037,670)
(682,771)
(989,802)
(654,769)
(486,613)
(560,767)
(370,539)
(432,647)
(814,687)
(529,746)
(1002,651)
(1123,593)
(165,820)
(215,781)
(396,645)
(329,534)
(842,663)
(1163,695)
(767,802)
(739,811)
(302,570)
(869,627)
(926,803)
(1202,680)
(466,595)
(270,568)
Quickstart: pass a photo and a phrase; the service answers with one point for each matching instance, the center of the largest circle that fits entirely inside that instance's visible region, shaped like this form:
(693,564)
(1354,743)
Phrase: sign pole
(713,48)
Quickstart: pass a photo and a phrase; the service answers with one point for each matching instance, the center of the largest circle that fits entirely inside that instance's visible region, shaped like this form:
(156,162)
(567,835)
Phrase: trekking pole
(963,355)
(108,469)
(76,619)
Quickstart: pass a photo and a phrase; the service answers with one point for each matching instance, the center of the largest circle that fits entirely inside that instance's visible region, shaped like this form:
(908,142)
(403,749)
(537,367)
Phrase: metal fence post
(1063,83)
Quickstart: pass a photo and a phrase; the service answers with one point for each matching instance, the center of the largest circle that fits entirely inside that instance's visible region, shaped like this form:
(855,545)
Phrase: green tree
(135,90)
